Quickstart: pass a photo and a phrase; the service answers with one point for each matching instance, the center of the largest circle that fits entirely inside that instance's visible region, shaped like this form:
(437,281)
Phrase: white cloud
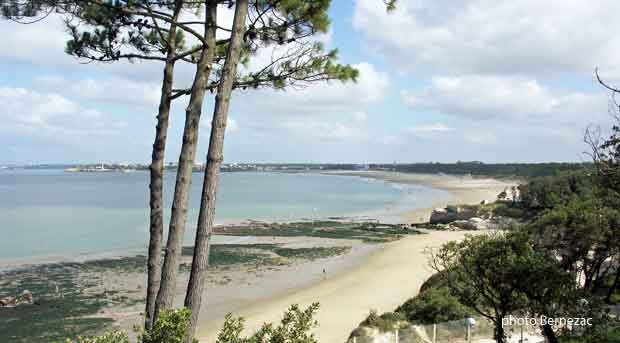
(481,137)
(390,140)
(41,114)
(119,90)
(343,127)
(360,116)
(429,130)
(506,98)
(526,37)
(320,98)
(330,111)
(41,43)
(113,89)
(516,72)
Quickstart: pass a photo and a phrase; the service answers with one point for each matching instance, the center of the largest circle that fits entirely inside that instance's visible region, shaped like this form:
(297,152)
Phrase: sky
(440,80)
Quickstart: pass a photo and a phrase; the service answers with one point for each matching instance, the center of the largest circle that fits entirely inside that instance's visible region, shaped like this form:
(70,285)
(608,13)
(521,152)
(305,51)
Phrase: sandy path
(385,280)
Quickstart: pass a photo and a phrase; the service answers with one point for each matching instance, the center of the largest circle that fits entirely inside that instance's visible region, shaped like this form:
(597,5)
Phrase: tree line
(519,170)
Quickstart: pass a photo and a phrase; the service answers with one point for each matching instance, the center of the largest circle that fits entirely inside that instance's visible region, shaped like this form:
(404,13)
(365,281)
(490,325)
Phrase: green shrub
(551,191)
(509,210)
(108,337)
(294,327)
(231,331)
(169,327)
(437,280)
(435,305)
(386,322)
(596,335)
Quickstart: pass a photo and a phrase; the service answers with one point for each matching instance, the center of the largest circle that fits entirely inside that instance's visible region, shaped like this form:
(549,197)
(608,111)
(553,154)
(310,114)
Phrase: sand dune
(385,279)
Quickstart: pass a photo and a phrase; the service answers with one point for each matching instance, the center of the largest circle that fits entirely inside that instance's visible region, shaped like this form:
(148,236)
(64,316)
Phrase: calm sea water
(53,213)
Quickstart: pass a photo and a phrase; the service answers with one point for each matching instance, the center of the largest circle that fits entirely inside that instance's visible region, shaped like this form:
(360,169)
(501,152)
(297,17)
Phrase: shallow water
(53,213)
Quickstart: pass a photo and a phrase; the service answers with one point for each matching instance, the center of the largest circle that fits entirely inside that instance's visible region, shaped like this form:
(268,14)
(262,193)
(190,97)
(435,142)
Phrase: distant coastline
(473,168)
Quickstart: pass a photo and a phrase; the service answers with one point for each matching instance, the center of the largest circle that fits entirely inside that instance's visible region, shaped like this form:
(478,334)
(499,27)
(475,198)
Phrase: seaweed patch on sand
(77,299)
(367,232)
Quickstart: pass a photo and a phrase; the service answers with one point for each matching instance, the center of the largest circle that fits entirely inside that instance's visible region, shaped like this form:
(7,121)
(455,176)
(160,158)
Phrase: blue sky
(495,81)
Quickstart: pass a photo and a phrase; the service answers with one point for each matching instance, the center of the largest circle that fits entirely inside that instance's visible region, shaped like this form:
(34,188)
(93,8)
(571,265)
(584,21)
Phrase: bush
(510,211)
(385,322)
(437,280)
(551,191)
(294,327)
(435,305)
(108,337)
(169,327)
(597,335)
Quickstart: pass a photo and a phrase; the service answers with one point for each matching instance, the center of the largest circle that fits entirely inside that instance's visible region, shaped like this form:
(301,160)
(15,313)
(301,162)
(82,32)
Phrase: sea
(53,213)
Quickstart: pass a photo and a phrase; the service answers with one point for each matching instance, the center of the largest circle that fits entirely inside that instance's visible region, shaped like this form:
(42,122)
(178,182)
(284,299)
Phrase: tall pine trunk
(178,217)
(200,262)
(157,174)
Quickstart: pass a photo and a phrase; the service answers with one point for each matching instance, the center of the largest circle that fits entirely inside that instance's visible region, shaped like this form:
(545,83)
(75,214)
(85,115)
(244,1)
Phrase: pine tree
(108,31)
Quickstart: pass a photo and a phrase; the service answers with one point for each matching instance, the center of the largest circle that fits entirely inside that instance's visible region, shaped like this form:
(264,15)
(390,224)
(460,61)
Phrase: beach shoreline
(381,280)
(463,190)
(348,296)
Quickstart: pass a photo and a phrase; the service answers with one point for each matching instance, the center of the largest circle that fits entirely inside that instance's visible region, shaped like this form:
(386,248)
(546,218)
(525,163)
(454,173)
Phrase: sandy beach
(232,290)
(382,281)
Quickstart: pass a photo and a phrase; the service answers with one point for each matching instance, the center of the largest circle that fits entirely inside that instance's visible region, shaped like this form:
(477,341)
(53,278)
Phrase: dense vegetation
(295,327)
(433,305)
(562,262)
(525,170)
